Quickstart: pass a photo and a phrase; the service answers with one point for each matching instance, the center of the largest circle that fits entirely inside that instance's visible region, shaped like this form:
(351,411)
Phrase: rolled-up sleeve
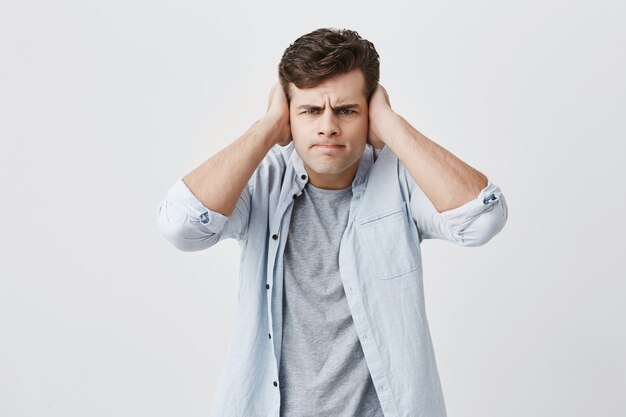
(190,226)
(472,224)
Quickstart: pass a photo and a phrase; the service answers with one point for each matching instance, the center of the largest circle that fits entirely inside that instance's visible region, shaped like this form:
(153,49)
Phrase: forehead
(340,89)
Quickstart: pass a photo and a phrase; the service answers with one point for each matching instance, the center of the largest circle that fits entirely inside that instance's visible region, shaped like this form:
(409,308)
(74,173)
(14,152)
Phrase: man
(330,194)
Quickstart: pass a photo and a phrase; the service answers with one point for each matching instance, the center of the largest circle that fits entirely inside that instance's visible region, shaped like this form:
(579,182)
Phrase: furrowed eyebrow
(342,107)
(347,107)
(308,107)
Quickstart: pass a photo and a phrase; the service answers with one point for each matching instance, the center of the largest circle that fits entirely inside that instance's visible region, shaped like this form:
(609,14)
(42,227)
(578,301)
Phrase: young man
(330,194)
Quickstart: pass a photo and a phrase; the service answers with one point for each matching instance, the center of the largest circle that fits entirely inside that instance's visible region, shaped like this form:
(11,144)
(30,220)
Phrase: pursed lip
(328,146)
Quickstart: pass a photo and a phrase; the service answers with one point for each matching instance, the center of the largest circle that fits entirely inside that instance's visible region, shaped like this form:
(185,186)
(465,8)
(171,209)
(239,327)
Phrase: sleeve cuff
(194,209)
(462,217)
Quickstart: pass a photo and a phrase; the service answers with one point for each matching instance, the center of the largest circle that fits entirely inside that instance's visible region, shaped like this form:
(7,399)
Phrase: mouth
(322,146)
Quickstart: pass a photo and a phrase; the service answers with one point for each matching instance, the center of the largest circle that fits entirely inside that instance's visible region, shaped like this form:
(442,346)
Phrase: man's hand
(277,114)
(380,117)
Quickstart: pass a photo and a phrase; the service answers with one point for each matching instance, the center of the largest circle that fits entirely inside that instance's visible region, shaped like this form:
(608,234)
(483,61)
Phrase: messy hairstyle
(326,52)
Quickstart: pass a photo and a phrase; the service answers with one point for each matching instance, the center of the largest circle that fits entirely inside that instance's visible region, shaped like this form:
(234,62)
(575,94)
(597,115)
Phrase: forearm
(220,180)
(445,179)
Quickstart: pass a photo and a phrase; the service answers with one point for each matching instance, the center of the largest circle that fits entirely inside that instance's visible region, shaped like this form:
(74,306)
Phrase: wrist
(385,124)
(269,128)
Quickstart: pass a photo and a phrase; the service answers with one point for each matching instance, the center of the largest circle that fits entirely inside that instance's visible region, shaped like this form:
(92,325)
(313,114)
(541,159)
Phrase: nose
(329,125)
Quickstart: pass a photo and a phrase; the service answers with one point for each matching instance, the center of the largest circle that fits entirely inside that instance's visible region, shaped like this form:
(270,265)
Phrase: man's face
(329,126)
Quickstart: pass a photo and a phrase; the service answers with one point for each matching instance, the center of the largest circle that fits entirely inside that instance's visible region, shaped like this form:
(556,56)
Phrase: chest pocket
(388,243)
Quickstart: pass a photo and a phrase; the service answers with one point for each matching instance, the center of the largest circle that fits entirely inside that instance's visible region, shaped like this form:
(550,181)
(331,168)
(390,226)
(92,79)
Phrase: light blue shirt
(379,262)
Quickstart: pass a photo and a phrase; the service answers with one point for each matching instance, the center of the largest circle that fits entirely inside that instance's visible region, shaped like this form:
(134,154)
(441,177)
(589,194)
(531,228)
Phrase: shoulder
(277,159)
(273,167)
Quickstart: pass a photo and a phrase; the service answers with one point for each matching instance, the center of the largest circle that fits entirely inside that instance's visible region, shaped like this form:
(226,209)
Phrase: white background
(103,105)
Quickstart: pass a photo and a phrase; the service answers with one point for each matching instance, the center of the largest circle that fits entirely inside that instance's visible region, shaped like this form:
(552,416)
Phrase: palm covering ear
(379,105)
(278,106)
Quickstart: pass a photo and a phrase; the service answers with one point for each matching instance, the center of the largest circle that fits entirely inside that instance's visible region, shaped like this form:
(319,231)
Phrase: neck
(332,181)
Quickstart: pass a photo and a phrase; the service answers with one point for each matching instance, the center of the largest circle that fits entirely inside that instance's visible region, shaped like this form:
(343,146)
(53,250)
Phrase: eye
(311,112)
(346,112)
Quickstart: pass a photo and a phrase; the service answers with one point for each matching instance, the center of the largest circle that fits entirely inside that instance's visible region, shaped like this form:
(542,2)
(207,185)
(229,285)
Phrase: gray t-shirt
(322,367)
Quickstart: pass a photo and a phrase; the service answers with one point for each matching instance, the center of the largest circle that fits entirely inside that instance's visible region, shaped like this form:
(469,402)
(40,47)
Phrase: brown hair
(326,52)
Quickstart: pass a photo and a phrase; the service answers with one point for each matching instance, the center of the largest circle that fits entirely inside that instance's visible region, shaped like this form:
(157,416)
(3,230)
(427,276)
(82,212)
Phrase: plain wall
(103,105)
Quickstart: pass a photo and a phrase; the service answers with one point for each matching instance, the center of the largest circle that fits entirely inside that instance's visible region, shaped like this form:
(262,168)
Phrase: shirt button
(303,177)
(275,383)
(489,198)
(267,286)
(295,196)
(204,218)
(275,236)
